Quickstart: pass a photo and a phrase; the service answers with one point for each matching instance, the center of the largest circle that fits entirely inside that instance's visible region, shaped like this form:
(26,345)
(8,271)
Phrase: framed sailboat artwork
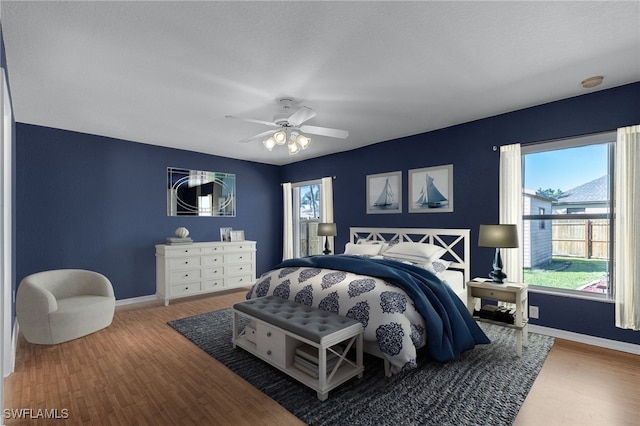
(384,193)
(431,189)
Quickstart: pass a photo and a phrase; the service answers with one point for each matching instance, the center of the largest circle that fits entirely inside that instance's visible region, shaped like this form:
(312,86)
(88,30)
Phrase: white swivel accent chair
(61,305)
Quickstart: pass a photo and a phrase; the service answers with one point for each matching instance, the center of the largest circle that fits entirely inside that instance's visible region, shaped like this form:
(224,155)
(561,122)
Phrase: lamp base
(496,275)
(326,250)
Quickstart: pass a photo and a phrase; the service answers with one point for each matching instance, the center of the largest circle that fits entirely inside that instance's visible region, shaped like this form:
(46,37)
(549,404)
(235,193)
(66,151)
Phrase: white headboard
(455,241)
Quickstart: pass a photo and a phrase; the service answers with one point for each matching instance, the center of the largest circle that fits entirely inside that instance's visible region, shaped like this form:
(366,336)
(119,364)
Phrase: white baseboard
(134,300)
(13,351)
(584,338)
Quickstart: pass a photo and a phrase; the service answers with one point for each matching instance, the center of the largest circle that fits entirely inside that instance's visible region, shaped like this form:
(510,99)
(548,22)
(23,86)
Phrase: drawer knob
(186,262)
(268,334)
(269,352)
(186,288)
(186,275)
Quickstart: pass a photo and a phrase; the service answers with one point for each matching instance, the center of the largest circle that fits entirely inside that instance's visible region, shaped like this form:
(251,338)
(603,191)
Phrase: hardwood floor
(139,371)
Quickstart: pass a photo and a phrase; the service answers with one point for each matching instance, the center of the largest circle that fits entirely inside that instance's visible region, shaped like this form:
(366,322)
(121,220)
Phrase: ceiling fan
(289,128)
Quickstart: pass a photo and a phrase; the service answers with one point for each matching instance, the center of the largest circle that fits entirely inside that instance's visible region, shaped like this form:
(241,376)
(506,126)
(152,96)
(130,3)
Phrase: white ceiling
(167,73)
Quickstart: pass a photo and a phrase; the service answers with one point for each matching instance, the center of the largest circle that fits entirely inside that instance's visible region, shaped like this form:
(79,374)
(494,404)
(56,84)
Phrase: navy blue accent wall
(98,203)
(476,168)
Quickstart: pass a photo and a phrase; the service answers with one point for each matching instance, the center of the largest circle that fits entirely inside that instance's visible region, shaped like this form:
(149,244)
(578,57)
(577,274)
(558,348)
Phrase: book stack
(176,240)
(496,313)
(306,359)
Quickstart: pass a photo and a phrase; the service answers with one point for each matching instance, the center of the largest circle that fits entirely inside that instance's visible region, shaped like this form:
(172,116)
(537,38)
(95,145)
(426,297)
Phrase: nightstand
(515,293)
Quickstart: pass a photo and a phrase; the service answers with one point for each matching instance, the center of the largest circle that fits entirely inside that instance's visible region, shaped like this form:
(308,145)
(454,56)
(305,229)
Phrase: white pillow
(382,244)
(362,249)
(415,252)
(437,265)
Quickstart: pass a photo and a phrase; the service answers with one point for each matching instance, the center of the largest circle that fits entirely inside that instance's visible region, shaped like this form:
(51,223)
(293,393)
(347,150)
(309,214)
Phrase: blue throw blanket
(450,328)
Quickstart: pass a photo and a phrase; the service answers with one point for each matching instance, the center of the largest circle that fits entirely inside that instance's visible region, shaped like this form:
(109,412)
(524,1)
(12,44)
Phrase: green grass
(567,273)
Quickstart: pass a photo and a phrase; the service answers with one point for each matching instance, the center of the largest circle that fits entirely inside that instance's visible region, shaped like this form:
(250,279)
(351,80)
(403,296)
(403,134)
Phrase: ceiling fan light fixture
(293,148)
(304,141)
(288,128)
(280,137)
(269,143)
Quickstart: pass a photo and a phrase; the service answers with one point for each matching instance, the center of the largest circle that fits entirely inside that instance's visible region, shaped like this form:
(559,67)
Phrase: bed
(406,286)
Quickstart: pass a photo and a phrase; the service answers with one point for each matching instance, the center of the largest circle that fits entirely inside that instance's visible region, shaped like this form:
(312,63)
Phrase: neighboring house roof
(595,191)
(533,194)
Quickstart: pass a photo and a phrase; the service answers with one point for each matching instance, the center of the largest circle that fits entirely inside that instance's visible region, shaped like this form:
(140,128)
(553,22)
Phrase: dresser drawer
(491,294)
(238,280)
(209,285)
(240,268)
(212,250)
(184,262)
(239,247)
(184,276)
(185,289)
(183,251)
(213,272)
(213,260)
(237,257)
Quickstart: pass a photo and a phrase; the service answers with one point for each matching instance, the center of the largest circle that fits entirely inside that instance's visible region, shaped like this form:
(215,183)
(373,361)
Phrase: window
(567,220)
(306,216)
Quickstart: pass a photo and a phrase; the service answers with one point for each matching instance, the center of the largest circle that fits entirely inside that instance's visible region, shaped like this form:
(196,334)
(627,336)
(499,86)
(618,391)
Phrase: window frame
(297,220)
(609,138)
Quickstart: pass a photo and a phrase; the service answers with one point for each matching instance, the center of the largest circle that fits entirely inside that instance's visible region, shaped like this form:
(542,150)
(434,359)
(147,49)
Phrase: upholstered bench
(311,345)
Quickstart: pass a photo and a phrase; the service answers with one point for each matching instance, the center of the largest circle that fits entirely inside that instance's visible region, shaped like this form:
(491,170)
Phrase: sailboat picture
(431,189)
(384,193)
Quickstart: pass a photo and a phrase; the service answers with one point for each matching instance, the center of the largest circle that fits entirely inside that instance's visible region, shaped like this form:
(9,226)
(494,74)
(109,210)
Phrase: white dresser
(199,268)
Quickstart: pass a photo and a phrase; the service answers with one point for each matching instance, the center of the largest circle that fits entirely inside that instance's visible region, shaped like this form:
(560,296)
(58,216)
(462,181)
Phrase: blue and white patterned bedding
(402,307)
(387,312)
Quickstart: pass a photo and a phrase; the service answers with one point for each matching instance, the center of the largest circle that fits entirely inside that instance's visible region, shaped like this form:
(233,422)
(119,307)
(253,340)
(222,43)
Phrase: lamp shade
(498,236)
(327,229)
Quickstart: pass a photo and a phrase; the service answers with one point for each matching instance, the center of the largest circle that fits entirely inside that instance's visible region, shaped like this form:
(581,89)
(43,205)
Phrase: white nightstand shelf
(515,293)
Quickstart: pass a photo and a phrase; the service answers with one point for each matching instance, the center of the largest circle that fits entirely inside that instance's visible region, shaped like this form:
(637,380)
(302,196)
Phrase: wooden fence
(586,238)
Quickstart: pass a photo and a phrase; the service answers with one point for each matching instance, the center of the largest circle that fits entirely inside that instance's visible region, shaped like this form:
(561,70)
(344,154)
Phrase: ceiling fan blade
(325,131)
(258,136)
(252,120)
(301,115)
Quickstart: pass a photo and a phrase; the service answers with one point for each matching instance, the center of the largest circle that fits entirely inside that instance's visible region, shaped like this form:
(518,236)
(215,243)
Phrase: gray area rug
(484,386)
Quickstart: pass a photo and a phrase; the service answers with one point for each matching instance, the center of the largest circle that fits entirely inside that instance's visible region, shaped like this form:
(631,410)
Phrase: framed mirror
(200,193)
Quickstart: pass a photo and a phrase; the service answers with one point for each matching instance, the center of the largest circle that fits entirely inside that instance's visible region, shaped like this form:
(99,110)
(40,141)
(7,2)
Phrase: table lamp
(327,230)
(498,236)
